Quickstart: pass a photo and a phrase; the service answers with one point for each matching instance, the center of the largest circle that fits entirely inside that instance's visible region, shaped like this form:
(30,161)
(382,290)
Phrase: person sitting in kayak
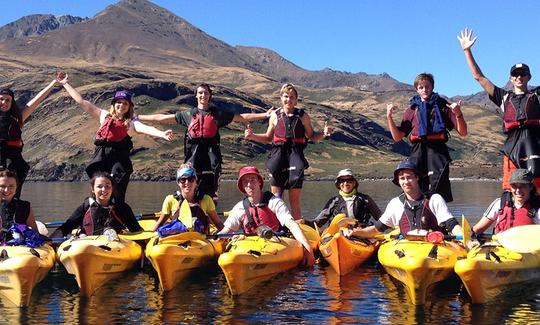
(428,121)
(13,211)
(262,208)
(100,211)
(518,207)
(192,208)
(412,210)
(202,138)
(12,118)
(520,109)
(354,204)
(288,130)
(113,139)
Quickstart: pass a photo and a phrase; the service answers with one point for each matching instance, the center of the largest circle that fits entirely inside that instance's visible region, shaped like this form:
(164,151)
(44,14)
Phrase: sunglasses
(346,180)
(189,179)
(519,74)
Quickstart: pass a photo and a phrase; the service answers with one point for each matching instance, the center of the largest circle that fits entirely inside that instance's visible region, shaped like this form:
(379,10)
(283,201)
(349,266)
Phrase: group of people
(423,177)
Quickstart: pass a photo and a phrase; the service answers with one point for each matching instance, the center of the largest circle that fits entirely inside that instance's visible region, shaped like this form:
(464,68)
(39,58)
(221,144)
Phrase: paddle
(339,220)
(521,239)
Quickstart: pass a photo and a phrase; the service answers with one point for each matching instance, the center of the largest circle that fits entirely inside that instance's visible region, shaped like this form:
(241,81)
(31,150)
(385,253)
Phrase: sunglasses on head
(189,179)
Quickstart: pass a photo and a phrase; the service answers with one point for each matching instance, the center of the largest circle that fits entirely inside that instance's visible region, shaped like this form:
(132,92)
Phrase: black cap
(521,67)
(405,164)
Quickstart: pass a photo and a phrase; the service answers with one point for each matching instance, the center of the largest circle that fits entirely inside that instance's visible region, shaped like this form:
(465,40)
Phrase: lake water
(310,296)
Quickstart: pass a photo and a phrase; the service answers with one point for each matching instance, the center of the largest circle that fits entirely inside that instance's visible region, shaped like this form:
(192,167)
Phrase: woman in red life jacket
(517,208)
(192,208)
(262,208)
(12,118)
(289,129)
(427,122)
(412,210)
(13,211)
(520,109)
(113,139)
(202,139)
(100,211)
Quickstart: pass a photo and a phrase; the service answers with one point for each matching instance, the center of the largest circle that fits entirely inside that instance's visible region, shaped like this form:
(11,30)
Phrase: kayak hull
(94,260)
(177,256)
(250,261)
(418,265)
(344,254)
(490,270)
(22,269)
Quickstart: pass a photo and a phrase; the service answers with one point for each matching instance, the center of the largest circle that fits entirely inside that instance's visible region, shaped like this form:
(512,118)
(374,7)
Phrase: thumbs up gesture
(327,131)
(248,132)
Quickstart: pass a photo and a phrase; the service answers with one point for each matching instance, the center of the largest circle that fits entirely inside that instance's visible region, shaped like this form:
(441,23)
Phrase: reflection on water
(318,295)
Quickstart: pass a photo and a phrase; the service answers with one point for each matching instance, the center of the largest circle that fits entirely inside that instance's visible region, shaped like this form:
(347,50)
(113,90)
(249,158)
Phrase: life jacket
(10,131)
(103,221)
(418,217)
(202,127)
(438,136)
(201,224)
(360,209)
(511,116)
(112,130)
(16,212)
(260,214)
(290,129)
(508,216)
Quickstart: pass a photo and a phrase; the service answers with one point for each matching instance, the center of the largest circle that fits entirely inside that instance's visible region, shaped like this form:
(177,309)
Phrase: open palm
(466,38)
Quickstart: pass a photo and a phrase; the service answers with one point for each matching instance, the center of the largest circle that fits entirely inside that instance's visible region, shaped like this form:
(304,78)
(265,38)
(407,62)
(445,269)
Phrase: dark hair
(14,110)
(424,76)
(206,86)
(97,175)
(4,172)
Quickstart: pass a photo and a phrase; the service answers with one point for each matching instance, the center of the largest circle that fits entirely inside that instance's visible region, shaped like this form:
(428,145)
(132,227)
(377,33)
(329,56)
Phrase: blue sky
(401,38)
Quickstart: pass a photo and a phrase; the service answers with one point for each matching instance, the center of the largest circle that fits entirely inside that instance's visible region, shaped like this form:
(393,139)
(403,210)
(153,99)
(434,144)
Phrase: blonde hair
(128,116)
(288,87)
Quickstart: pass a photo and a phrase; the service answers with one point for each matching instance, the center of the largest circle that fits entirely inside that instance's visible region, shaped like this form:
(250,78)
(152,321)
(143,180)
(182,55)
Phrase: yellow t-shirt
(170,205)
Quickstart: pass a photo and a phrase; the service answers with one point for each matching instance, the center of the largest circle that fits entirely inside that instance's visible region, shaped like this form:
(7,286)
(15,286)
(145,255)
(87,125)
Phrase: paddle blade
(467,230)
(340,220)
(312,235)
(521,239)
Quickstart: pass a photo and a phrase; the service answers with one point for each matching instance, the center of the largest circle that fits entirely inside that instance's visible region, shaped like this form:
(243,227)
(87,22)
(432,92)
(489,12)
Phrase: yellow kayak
(490,270)
(345,254)
(176,256)
(21,268)
(250,261)
(419,264)
(94,260)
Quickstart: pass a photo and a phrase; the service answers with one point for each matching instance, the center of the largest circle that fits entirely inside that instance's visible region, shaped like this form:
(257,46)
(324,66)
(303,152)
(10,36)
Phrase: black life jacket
(289,129)
(513,118)
(10,131)
(508,216)
(196,210)
(15,212)
(260,214)
(360,208)
(418,217)
(97,218)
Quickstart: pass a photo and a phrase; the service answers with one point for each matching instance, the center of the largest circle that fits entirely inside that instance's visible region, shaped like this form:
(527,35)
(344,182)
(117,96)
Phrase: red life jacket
(290,129)
(261,214)
(202,126)
(112,130)
(418,217)
(508,216)
(510,116)
(88,225)
(10,131)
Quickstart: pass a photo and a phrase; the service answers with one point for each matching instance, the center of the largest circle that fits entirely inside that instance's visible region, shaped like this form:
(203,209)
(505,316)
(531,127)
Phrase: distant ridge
(34,25)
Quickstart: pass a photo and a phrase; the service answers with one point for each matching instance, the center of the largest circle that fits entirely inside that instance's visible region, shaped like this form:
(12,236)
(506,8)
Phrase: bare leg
(276,191)
(294,200)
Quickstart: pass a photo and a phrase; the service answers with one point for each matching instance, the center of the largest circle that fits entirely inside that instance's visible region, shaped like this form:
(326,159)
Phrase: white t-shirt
(131,129)
(276,205)
(494,207)
(395,208)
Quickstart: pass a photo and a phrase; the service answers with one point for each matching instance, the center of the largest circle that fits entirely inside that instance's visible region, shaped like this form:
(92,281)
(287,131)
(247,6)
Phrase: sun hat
(247,171)
(405,165)
(344,173)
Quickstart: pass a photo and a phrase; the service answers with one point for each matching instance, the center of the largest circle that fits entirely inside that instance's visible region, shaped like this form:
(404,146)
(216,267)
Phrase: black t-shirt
(519,101)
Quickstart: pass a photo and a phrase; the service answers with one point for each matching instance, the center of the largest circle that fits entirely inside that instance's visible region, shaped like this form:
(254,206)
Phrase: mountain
(34,25)
(272,64)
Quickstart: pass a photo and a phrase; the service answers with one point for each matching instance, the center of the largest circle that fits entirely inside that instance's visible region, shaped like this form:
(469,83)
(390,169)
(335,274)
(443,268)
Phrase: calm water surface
(311,296)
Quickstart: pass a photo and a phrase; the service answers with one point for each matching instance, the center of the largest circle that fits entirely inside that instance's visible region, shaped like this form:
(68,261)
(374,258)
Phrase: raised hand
(62,77)
(248,132)
(465,38)
(328,130)
(455,107)
(390,109)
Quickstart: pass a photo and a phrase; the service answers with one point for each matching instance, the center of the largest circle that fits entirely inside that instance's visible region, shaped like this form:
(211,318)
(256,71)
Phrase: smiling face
(521,193)
(187,186)
(424,88)
(121,107)
(520,78)
(251,184)
(347,184)
(288,100)
(102,190)
(408,181)
(5,102)
(8,188)
(203,97)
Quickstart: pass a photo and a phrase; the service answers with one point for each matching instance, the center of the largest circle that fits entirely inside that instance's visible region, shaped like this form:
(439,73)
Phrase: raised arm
(262,137)
(250,117)
(467,41)
(34,102)
(140,127)
(311,134)
(160,118)
(90,108)
(397,135)
(461,125)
